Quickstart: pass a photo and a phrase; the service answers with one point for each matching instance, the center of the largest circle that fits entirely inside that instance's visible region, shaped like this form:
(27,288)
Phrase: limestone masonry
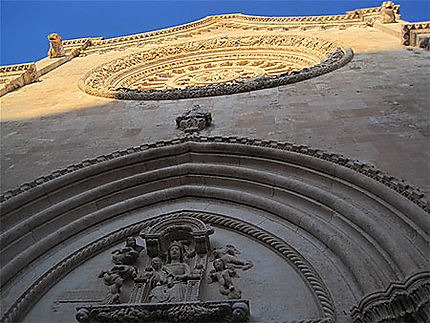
(236,168)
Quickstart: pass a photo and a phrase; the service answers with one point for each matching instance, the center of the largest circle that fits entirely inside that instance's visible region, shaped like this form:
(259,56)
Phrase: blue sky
(25,25)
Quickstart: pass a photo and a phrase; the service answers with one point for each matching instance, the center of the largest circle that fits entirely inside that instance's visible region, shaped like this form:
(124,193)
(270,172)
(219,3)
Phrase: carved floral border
(56,273)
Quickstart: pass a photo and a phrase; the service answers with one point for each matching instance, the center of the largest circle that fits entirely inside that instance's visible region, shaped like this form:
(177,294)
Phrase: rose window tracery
(218,64)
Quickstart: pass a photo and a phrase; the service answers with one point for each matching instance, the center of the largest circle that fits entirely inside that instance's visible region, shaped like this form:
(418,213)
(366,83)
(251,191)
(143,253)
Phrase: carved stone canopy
(160,236)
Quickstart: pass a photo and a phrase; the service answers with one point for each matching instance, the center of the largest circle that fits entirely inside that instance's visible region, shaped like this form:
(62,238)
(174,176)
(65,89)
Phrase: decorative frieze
(413,34)
(358,17)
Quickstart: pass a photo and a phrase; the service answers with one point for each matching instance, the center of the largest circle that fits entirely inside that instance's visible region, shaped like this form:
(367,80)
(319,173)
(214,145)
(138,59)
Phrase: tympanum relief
(164,278)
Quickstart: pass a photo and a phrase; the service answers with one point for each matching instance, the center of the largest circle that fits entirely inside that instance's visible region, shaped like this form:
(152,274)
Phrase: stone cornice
(412,31)
(15,76)
(358,17)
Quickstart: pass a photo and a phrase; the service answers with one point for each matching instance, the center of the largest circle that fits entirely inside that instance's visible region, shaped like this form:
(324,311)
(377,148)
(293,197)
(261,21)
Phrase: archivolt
(369,226)
(287,252)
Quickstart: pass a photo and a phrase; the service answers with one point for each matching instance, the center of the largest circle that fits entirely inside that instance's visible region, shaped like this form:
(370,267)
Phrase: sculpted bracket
(194,120)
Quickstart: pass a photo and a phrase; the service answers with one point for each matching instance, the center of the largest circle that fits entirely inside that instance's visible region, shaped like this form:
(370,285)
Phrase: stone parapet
(16,76)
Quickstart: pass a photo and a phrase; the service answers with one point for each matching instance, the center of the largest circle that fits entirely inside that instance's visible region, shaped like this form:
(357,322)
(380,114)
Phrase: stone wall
(374,109)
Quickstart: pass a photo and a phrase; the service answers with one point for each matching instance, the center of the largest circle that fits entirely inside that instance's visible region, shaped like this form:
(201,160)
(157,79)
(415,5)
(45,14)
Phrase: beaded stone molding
(39,287)
(400,186)
(214,66)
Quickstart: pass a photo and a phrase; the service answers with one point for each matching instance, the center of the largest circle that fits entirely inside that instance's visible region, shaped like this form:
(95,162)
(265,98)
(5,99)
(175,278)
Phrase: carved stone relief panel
(182,269)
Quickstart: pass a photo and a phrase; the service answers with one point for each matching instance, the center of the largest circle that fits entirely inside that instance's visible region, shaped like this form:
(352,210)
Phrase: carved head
(156,263)
(130,242)
(82,315)
(175,252)
(219,264)
(54,38)
(387,4)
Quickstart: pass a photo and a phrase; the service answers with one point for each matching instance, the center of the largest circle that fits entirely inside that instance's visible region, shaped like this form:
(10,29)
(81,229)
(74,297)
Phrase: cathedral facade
(236,168)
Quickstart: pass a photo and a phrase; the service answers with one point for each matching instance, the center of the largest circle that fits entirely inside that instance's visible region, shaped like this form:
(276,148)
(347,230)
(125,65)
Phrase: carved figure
(55,46)
(114,281)
(425,43)
(224,276)
(387,12)
(177,273)
(168,282)
(127,255)
(82,315)
(228,255)
(157,281)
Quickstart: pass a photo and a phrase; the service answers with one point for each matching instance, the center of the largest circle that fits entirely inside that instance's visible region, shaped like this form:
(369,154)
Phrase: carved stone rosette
(167,288)
(216,66)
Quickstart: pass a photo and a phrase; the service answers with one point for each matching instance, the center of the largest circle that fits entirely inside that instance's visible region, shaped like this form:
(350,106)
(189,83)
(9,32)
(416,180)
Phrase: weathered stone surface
(300,181)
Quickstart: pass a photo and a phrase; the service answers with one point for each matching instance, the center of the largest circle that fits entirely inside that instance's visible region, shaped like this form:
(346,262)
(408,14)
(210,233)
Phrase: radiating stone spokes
(219,63)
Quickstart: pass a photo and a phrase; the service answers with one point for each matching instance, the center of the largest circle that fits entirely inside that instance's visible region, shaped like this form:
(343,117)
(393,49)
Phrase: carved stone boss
(194,120)
(165,278)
